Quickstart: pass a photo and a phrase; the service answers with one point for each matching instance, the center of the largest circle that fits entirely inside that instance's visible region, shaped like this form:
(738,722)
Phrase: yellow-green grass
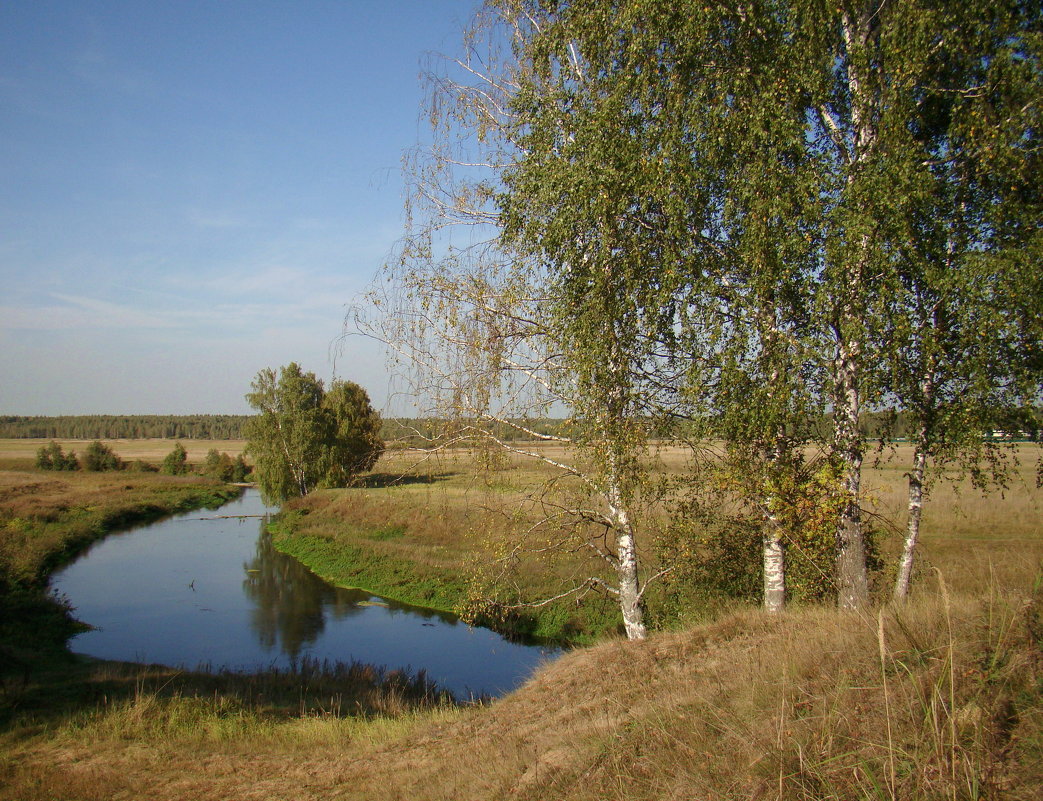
(434,534)
(431,532)
(941,701)
(146,450)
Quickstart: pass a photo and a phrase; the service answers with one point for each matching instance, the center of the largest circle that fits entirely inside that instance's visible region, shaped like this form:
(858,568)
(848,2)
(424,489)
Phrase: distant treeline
(395,430)
(221,426)
(134,426)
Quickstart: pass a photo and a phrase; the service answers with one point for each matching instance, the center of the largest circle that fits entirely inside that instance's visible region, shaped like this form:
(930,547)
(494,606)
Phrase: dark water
(187,591)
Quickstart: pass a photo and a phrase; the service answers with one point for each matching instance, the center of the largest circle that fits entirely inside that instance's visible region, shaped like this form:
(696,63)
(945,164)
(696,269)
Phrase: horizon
(196,191)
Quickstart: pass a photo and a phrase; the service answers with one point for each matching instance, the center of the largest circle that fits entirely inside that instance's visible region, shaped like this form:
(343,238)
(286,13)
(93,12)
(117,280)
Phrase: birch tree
(475,320)
(965,323)
(763,159)
(704,209)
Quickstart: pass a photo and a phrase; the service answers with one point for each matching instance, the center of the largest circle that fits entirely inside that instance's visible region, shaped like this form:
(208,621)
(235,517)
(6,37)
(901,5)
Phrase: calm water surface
(187,591)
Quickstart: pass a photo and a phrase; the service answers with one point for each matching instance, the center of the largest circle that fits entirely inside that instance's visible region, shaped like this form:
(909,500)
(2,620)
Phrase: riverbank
(443,535)
(440,540)
(940,699)
(47,519)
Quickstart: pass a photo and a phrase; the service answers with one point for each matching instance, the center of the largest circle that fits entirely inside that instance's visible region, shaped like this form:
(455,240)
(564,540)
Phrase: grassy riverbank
(434,538)
(46,519)
(436,535)
(942,699)
(938,701)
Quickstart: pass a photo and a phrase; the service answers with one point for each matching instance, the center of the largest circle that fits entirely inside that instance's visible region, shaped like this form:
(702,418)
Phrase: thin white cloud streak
(80,312)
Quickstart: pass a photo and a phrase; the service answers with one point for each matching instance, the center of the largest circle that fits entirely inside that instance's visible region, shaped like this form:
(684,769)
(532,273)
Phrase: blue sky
(193,190)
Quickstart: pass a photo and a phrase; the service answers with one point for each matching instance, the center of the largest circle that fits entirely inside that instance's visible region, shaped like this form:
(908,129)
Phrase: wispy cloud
(72,312)
(77,312)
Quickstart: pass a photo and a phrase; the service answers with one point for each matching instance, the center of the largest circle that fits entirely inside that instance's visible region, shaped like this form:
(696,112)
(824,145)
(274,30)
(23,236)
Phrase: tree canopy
(305,437)
(754,217)
(810,208)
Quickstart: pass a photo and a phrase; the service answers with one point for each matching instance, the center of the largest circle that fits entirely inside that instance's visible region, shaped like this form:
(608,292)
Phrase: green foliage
(401,579)
(99,457)
(240,469)
(175,463)
(355,443)
(51,457)
(305,437)
(808,209)
(220,466)
(135,426)
(716,546)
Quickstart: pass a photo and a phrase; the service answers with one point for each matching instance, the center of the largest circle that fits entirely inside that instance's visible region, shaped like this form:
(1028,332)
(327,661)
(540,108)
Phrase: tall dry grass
(938,700)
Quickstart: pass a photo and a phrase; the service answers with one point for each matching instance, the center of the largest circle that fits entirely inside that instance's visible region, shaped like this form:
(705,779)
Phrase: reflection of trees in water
(291,602)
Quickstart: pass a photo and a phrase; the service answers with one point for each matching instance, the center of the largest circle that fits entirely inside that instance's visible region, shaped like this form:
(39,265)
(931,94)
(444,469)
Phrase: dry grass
(147,450)
(454,522)
(942,699)
(811,705)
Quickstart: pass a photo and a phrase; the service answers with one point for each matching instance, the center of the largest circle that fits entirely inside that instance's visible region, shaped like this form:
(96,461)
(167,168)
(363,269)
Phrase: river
(202,590)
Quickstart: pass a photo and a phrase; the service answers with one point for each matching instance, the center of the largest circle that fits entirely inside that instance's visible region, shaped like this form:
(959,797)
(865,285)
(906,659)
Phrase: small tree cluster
(175,463)
(224,468)
(99,457)
(51,457)
(306,436)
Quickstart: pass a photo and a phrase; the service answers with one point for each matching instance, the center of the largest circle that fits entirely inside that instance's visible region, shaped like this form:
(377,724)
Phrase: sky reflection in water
(188,591)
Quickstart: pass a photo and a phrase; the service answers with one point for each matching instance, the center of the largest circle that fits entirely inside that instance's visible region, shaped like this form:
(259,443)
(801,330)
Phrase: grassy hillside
(938,701)
(942,699)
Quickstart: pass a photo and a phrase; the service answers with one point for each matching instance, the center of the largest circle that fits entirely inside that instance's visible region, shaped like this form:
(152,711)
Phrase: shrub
(51,457)
(175,463)
(100,457)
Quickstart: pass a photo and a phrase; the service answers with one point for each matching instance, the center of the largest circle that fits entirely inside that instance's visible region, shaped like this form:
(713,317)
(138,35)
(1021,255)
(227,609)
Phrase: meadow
(21,451)
(938,699)
(433,530)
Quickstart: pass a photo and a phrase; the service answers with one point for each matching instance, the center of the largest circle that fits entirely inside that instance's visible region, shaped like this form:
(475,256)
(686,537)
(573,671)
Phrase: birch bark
(630,600)
(852,578)
(912,534)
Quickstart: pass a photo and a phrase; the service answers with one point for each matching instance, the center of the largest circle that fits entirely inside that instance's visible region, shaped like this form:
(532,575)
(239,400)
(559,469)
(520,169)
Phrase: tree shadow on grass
(67,687)
(383,480)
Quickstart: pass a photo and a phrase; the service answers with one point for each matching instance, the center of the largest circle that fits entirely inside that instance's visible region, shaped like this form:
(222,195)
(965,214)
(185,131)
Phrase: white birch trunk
(852,578)
(916,481)
(630,600)
(773,553)
(774,572)
(912,534)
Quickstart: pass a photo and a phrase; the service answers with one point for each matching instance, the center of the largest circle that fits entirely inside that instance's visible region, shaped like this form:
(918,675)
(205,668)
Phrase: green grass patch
(358,567)
(387,533)
(385,562)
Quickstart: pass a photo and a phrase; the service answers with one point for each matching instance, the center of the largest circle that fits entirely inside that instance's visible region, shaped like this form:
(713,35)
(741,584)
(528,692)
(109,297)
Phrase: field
(147,450)
(940,699)
(429,532)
